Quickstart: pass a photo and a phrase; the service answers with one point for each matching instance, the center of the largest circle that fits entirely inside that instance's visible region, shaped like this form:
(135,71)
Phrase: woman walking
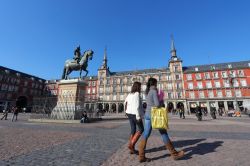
(15,113)
(133,107)
(153,101)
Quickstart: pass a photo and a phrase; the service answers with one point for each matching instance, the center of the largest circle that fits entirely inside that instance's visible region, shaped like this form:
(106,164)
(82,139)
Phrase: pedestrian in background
(15,113)
(153,101)
(5,112)
(134,111)
(161,98)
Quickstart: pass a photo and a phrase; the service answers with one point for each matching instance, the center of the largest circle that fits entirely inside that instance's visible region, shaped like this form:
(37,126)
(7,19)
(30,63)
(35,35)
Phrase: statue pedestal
(70,100)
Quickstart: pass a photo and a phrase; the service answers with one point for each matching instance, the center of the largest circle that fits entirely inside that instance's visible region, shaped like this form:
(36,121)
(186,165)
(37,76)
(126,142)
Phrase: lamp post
(231,82)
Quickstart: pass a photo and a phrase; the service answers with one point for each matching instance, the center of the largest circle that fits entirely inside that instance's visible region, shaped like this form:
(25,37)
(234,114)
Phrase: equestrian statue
(78,63)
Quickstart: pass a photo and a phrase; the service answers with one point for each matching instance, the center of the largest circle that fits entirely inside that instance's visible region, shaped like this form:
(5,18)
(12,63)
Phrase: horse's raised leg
(80,73)
(86,73)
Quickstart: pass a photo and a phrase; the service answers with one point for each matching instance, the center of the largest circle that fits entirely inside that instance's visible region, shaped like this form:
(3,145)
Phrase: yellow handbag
(159,118)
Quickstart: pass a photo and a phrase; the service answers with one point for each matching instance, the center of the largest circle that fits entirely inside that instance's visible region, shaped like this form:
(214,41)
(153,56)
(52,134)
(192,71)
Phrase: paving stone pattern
(223,141)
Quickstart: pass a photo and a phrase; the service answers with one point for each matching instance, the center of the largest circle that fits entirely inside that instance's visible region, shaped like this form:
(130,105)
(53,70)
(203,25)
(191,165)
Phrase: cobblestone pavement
(224,141)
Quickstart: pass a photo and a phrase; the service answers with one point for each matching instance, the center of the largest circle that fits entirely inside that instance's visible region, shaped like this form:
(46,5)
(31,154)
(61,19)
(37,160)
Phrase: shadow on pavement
(177,144)
(201,149)
(182,143)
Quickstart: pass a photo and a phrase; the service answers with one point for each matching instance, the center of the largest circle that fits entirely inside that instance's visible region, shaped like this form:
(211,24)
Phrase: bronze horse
(72,65)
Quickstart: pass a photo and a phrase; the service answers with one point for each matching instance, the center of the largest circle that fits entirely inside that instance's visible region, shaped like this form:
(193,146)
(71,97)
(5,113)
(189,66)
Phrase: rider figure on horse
(77,54)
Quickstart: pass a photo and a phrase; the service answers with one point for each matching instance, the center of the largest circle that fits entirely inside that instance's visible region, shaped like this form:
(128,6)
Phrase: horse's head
(86,55)
(89,54)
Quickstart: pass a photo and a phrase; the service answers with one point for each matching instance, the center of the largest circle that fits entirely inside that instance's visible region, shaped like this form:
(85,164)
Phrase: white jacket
(134,105)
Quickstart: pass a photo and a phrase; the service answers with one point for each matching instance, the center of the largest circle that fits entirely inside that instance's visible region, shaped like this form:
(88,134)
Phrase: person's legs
(6,115)
(3,116)
(164,136)
(143,143)
(174,154)
(16,117)
(148,127)
(136,136)
(132,122)
(13,117)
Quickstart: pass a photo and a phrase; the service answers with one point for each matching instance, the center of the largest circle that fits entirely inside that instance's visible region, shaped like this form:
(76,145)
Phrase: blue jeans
(133,123)
(148,129)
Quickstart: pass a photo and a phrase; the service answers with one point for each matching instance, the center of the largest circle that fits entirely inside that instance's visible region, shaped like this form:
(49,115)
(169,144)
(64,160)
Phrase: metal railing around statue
(61,107)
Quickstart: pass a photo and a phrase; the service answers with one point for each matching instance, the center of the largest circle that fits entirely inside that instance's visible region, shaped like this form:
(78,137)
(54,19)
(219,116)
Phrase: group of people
(136,114)
(14,110)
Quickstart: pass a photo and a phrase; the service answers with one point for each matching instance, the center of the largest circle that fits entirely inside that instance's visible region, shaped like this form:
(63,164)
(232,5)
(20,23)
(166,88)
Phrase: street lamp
(231,82)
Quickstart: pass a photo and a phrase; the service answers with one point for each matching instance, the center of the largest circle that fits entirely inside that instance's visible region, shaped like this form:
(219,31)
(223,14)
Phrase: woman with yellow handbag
(153,101)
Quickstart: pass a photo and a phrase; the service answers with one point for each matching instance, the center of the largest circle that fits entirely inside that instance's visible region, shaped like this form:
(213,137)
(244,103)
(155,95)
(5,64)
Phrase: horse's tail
(64,72)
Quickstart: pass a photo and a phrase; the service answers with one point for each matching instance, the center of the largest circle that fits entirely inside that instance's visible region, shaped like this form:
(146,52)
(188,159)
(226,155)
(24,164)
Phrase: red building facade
(91,96)
(218,85)
(17,88)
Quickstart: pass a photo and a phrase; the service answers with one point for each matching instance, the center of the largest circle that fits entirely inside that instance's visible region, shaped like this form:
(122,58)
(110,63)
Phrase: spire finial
(173,50)
(172,43)
(104,62)
(105,53)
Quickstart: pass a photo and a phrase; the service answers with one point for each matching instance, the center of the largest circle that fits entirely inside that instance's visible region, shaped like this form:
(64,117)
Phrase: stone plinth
(70,101)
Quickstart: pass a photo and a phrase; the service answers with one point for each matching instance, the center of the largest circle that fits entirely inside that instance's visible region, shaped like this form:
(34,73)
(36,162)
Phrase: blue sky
(37,36)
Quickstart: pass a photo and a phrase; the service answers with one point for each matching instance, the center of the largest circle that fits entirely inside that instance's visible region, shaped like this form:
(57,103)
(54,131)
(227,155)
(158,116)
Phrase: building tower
(103,73)
(176,73)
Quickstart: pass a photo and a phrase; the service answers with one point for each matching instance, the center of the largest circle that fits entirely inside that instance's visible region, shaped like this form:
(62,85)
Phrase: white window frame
(217,84)
(224,74)
(89,90)
(243,82)
(207,75)
(190,85)
(198,76)
(219,93)
(241,73)
(232,73)
(199,85)
(189,76)
(238,93)
(209,84)
(191,95)
(210,94)
(228,93)
(215,75)
(201,94)
(226,83)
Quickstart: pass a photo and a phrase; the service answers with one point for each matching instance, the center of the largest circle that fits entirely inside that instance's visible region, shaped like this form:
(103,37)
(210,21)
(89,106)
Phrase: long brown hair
(136,87)
(151,82)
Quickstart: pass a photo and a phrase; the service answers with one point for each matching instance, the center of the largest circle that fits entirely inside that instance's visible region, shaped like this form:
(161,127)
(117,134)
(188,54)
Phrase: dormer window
(212,67)
(7,71)
(241,73)
(198,76)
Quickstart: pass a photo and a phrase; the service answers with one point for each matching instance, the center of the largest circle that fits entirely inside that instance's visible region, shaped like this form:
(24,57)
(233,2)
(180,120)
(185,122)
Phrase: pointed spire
(104,62)
(173,50)
(105,53)
(172,43)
